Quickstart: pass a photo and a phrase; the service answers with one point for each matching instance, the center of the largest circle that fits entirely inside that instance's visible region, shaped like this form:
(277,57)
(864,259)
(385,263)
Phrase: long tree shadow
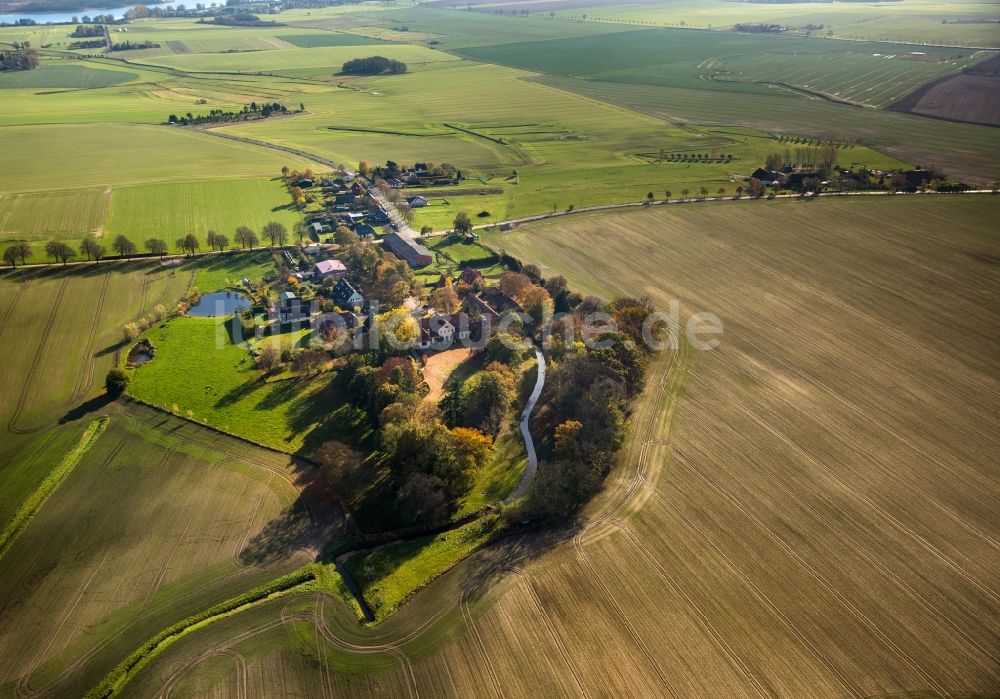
(83,409)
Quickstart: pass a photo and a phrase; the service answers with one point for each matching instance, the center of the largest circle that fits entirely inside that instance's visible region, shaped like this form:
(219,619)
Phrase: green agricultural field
(75,156)
(64,75)
(171,210)
(317,40)
(60,214)
(281,60)
(205,503)
(969,152)
(865,73)
(916,21)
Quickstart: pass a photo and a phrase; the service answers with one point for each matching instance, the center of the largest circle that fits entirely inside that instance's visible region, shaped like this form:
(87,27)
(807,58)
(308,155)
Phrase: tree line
(275,233)
(134,45)
(373,65)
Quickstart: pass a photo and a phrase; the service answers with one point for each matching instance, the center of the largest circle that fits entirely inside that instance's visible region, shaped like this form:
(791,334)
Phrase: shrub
(116,382)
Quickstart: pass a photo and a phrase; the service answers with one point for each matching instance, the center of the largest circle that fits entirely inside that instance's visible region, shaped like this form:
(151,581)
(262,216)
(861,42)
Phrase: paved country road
(529,444)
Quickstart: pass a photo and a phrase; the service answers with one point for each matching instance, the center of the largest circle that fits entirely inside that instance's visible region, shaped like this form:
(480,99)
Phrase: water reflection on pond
(220,303)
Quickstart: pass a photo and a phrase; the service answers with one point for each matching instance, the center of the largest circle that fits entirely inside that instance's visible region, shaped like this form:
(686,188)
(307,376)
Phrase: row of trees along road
(276,234)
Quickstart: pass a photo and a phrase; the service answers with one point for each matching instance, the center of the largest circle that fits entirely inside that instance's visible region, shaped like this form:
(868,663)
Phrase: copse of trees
(85,30)
(249,112)
(587,392)
(134,45)
(25,59)
(373,65)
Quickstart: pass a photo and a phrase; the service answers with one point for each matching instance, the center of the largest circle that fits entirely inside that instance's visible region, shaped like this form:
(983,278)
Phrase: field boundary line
(34,502)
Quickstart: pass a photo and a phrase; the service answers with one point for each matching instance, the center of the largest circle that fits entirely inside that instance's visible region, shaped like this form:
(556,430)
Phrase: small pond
(140,353)
(221,303)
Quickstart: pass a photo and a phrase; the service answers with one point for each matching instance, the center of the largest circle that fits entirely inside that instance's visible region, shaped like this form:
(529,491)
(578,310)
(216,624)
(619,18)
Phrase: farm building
(407,249)
(484,308)
(417,202)
(328,268)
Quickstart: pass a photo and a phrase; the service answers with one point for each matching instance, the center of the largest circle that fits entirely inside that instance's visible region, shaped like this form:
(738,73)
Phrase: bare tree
(123,246)
(275,233)
(59,250)
(156,246)
(246,237)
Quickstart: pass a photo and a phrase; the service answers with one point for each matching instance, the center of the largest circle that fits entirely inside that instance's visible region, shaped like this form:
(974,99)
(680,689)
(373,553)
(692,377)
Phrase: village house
(440,331)
(346,296)
(472,277)
(291,307)
(417,202)
(415,254)
(328,268)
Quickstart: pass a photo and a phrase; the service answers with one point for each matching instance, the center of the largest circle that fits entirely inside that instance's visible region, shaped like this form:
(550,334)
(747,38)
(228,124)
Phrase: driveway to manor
(529,444)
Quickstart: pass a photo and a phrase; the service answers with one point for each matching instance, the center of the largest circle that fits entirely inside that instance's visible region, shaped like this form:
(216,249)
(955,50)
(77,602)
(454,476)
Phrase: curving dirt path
(529,444)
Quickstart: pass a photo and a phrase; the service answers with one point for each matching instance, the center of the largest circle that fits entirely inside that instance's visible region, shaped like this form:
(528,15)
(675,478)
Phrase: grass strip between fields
(115,681)
(34,502)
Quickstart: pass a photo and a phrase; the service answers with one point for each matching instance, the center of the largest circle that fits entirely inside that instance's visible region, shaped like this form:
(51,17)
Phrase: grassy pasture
(200,373)
(224,271)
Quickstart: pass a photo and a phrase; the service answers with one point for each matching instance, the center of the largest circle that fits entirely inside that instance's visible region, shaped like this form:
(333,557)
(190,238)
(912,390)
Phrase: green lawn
(222,271)
(199,373)
(388,577)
